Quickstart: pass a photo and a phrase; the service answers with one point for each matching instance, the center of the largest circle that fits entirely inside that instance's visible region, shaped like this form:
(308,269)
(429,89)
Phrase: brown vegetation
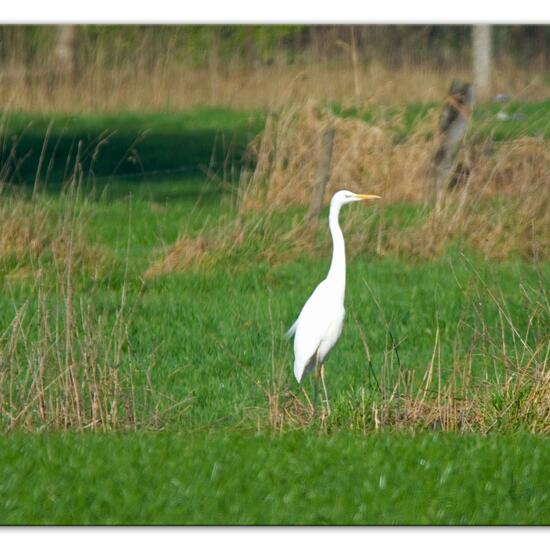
(59,370)
(500,204)
(34,234)
(168,86)
(367,157)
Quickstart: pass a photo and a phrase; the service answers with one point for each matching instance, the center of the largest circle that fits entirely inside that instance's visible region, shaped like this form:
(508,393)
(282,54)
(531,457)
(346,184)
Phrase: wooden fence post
(453,124)
(322,176)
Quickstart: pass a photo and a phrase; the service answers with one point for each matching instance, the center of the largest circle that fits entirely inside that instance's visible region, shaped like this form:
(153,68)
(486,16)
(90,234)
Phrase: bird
(320,322)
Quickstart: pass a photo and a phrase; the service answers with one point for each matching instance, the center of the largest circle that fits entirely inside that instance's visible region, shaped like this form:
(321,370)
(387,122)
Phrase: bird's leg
(322,371)
(315,379)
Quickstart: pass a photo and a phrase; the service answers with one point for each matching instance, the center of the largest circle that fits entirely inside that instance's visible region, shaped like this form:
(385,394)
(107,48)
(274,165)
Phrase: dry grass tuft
(35,233)
(183,255)
(60,370)
(286,409)
(365,158)
(498,230)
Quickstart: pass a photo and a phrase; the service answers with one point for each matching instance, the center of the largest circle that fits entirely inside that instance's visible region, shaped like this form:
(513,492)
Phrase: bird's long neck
(337,272)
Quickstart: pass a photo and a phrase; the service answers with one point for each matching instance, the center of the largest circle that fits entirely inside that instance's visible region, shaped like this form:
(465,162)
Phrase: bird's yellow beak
(368,197)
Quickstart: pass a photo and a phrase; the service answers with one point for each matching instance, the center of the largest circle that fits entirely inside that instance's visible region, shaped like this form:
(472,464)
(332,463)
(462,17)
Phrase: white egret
(320,322)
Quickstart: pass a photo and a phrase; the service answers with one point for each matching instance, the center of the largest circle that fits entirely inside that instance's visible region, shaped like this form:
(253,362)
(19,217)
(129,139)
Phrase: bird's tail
(290,332)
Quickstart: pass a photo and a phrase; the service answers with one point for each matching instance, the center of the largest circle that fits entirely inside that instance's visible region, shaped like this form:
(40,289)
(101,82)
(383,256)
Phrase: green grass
(179,478)
(208,343)
(136,147)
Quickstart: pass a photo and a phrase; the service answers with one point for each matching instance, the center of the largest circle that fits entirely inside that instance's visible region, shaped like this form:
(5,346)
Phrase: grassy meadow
(220,478)
(151,264)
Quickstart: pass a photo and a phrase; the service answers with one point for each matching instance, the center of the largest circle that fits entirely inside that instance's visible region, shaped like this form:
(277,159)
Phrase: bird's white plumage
(318,328)
(321,320)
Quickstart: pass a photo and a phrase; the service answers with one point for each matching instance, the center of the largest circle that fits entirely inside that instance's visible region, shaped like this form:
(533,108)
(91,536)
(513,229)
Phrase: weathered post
(453,124)
(322,176)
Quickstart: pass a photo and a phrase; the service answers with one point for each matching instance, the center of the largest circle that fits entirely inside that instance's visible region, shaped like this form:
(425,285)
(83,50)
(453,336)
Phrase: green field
(203,358)
(229,478)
